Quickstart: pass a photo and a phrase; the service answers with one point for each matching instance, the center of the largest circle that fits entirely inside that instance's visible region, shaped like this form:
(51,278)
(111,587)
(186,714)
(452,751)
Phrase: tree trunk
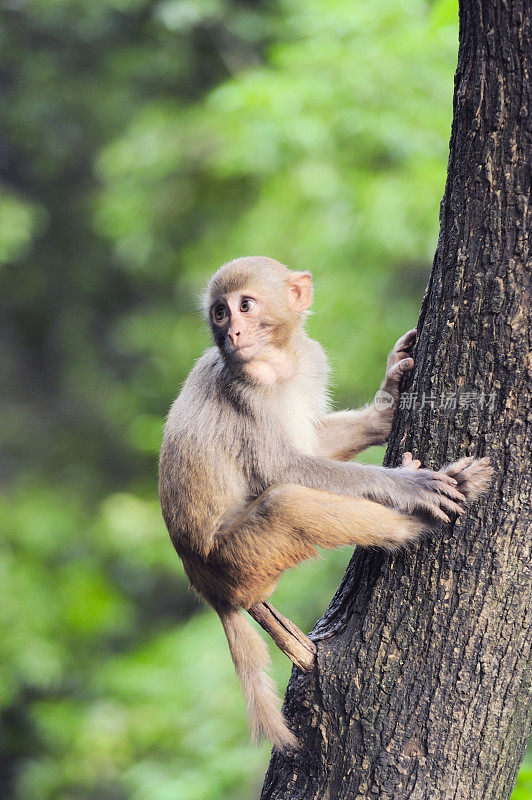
(422,684)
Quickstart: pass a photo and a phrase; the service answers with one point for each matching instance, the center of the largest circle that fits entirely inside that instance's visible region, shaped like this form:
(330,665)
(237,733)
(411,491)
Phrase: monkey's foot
(472,475)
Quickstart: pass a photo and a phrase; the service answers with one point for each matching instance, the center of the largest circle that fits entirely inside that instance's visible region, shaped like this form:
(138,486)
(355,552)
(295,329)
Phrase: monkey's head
(254,306)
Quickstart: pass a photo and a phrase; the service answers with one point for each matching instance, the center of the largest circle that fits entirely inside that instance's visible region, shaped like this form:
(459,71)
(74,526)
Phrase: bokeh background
(143,143)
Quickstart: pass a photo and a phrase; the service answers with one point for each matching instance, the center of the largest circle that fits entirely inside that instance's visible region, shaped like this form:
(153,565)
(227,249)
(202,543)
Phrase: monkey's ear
(299,290)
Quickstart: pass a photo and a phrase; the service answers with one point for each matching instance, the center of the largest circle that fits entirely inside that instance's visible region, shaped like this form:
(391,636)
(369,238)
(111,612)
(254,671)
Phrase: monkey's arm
(346,433)
(411,491)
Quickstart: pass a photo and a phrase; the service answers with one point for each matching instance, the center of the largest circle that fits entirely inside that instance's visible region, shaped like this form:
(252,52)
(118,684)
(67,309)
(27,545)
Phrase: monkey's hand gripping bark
(400,361)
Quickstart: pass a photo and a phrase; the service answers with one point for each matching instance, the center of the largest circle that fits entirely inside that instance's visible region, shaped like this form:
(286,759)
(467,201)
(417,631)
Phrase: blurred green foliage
(145,142)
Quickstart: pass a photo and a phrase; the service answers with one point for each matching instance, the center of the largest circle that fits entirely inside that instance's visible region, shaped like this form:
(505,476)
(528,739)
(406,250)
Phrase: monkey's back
(199,476)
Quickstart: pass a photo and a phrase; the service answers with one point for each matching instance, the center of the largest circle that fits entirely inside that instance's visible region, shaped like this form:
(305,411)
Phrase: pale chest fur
(298,404)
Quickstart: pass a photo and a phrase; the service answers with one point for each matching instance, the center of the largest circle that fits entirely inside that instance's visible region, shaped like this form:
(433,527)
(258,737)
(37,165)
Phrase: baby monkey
(255,471)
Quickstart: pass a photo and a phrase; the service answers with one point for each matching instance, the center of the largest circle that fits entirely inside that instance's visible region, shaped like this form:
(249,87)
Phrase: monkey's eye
(246,304)
(219,312)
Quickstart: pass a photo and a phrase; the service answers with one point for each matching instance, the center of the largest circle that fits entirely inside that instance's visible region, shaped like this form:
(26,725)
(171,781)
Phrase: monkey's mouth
(241,353)
(245,352)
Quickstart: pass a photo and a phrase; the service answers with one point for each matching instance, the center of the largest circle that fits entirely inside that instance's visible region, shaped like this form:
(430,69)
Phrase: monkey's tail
(250,657)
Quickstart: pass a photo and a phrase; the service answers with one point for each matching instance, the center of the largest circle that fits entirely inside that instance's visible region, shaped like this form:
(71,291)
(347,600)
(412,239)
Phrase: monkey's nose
(233,335)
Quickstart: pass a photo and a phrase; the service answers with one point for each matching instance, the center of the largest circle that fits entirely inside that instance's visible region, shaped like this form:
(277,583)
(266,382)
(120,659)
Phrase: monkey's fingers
(409,462)
(449,505)
(406,341)
(452,492)
(435,511)
(403,348)
(474,479)
(446,492)
(439,494)
(441,477)
(457,466)
(431,481)
(396,372)
(473,475)
(439,506)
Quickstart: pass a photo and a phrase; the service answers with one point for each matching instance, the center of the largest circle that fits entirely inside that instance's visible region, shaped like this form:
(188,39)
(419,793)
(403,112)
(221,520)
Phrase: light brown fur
(251,472)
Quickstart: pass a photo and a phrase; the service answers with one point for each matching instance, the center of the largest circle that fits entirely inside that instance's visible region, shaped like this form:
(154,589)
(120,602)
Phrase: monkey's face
(254,306)
(242,326)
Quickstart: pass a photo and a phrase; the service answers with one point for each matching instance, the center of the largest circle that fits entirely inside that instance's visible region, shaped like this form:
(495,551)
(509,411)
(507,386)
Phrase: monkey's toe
(475,478)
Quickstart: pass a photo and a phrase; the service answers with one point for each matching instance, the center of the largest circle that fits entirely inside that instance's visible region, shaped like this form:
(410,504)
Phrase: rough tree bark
(423,678)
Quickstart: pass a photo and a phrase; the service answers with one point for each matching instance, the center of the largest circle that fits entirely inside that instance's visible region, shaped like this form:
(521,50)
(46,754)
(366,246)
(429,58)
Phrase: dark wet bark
(423,682)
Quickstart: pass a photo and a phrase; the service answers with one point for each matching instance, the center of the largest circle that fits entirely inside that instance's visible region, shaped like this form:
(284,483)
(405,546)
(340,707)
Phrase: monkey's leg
(286,523)
(412,491)
(330,520)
